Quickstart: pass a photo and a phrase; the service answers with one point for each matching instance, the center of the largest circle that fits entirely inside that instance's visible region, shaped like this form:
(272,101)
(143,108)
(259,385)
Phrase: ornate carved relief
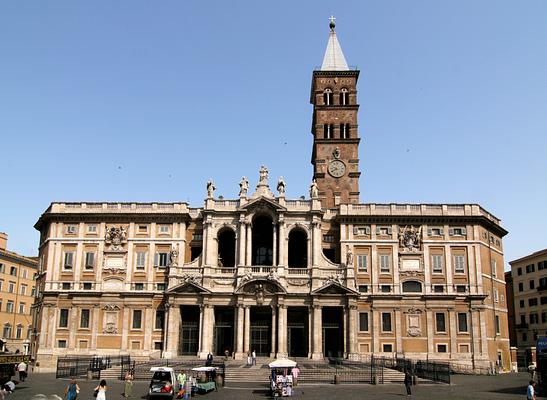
(116,237)
(410,239)
(299,282)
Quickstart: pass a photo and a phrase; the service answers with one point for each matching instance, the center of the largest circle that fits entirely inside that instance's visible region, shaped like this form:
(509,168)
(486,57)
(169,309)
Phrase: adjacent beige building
(529,275)
(312,277)
(17,290)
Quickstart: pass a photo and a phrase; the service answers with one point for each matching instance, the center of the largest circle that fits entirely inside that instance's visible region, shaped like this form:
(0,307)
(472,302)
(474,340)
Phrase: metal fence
(83,367)
(141,369)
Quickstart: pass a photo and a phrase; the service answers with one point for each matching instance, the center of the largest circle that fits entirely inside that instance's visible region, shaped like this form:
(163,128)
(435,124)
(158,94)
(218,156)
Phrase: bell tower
(335,155)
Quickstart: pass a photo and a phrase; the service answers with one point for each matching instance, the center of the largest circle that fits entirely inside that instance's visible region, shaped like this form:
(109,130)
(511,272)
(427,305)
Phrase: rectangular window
(440,322)
(543,282)
(1,285)
(89,260)
(328,238)
(435,231)
(137,319)
(66,285)
(141,260)
(160,319)
(383,230)
(161,259)
(9,306)
(361,230)
(69,260)
(462,322)
(199,237)
(496,296)
(139,286)
(92,228)
(164,229)
(362,263)
(363,288)
(441,348)
(24,274)
(533,318)
(521,286)
(543,300)
(521,303)
(2,268)
(61,344)
(158,346)
(532,302)
(543,317)
(523,319)
(87,286)
(457,231)
(18,332)
(71,229)
(532,284)
(459,263)
(11,287)
(438,288)
(387,348)
(63,318)
(461,288)
(437,262)
(493,267)
(160,286)
(524,337)
(84,318)
(21,308)
(519,271)
(498,330)
(363,322)
(385,288)
(386,322)
(13,271)
(384,263)
(142,229)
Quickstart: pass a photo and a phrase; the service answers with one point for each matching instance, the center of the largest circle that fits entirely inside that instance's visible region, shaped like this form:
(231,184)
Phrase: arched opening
(262,241)
(344,97)
(298,249)
(412,287)
(327,97)
(226,248)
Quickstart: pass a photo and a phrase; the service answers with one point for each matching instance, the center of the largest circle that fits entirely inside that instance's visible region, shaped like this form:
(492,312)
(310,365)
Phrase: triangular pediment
(188,286)
(333,287)
(262,202)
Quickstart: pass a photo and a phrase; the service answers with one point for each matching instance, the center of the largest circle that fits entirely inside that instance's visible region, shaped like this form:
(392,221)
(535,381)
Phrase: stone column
(353,353)
(207,330)
(173,324)
(484,339)
(240,329)
(398,331)
(471,270)
(317,353)
(282,255)
(345,331)
(249,250)
(375,330)
(282,331)
(475,330)
(430,331)
(274,249)
(247,334)
(310,331)
(95,323)
(453,333)
(449,268)
(242,238)
(148,322)
(274,332)
(374,268)
(125,326)
(72,323)
(201,332)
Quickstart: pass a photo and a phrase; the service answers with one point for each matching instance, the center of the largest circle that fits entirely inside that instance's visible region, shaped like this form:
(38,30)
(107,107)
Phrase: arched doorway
(262,241)
(226,248)
(298,249)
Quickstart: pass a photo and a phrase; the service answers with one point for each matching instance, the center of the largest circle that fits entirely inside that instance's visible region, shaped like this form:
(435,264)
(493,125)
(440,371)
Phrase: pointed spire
(334,59)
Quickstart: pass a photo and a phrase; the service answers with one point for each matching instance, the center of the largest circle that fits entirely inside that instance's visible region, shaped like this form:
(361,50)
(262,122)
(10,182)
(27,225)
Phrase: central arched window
(226,248)
(344,96)
(298,249)
(327,97)
(262,241)
(412,287)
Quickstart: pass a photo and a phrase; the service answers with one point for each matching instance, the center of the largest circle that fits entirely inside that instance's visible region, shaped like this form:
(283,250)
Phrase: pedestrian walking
(100,390)
(72,390)
(531,391)
(188,388)
(128,385)
(408,383)
(22,369)
(295,372)
(253,356)
(249,358)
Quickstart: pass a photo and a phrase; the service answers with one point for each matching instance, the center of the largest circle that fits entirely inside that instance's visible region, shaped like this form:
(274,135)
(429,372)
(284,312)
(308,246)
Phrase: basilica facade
(324,276)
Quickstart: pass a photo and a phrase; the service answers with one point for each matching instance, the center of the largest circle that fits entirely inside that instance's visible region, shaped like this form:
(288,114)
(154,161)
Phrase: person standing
(187,388)
(181,379)
(72,390)
(209,361)
(253,355)
(531,391)
(22,369)
(295,372)
(408,383)
(101,390)
(128,385)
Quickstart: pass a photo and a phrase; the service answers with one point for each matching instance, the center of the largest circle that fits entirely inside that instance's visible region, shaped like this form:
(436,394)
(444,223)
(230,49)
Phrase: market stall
(281,381)
(206,379)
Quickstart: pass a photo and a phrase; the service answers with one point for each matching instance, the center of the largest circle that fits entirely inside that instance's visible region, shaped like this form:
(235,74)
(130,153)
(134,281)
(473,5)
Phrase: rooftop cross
(332,23)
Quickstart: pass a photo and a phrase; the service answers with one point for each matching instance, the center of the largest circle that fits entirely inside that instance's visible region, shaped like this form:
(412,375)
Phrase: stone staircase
(111,374)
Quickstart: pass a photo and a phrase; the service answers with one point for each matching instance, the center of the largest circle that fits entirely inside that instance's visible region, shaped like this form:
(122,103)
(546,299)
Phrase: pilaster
(282,331)
(317,353)
(173,331)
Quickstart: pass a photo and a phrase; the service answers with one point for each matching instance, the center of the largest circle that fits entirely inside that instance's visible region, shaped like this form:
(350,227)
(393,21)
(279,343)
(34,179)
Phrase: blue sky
(145,101)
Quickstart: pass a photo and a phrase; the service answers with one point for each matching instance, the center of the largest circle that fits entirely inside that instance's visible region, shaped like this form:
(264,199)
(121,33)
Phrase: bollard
(336,379)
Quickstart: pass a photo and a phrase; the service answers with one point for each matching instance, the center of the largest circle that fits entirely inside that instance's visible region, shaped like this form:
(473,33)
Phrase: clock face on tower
(337,168)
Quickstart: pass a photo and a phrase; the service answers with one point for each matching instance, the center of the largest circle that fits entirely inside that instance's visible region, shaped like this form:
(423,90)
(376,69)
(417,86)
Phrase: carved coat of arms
(410,239)
(116,237)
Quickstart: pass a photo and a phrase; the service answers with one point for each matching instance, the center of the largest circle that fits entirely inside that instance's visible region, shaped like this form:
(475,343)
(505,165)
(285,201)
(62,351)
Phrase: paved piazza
(509,386)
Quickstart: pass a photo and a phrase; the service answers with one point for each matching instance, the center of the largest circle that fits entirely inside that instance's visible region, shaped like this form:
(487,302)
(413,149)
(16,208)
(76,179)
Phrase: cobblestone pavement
(509,386)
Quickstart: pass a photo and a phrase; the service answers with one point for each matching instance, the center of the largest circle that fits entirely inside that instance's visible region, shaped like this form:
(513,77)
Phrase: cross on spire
(332,24)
